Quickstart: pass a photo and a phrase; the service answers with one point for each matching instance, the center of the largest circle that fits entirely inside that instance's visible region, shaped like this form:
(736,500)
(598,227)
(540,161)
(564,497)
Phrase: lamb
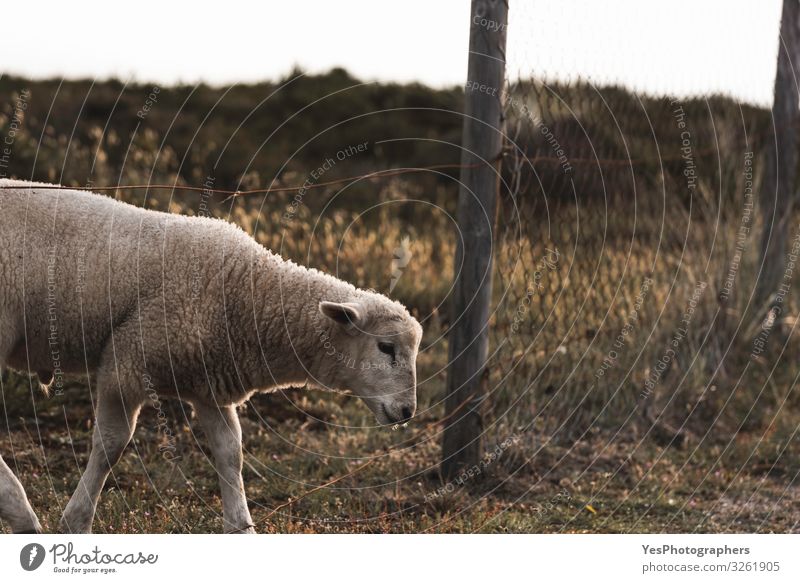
(185,307)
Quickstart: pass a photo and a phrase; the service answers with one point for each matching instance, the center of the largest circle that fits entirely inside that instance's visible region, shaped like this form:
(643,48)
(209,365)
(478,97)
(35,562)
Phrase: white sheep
(149,303)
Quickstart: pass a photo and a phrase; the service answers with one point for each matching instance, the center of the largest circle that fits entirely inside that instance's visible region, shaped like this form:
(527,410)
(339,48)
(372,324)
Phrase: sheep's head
(375,343)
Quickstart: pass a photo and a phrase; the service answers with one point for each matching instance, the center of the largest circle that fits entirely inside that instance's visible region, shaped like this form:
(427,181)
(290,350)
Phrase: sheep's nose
(407,413)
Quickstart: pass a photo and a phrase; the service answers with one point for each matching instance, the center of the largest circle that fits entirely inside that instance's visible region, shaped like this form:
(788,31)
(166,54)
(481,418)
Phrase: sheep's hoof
(29,525)
(66,526)
(249,529)
(35,530)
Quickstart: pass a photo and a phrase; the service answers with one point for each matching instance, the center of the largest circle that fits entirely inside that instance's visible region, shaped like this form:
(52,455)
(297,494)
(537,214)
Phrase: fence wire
(626,258)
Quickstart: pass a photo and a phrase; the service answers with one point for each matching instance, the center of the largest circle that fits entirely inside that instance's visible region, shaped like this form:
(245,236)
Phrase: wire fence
(615,206)
(625,256)
(626,260)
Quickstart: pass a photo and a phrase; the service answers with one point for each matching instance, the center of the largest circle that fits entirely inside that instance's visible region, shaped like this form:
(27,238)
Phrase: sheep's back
(75,265)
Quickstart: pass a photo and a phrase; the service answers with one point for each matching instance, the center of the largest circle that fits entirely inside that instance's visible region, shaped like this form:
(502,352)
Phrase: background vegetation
(576,437)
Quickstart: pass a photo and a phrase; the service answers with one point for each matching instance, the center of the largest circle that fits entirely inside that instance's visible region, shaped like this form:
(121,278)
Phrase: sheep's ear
(347,314)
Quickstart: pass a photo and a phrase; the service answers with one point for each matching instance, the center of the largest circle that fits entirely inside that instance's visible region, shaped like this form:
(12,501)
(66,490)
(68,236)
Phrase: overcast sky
(681,46)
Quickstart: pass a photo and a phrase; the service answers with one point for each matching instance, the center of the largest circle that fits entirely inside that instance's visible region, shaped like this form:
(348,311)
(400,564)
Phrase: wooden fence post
(780,171)
(482,144)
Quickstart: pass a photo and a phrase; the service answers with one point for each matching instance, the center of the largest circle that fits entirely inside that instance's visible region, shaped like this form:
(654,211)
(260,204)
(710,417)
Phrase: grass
(702,453)
(575,336)
(383,477)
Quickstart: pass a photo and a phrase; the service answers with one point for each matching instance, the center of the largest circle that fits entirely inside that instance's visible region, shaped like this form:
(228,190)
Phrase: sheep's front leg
(224,434)
(14,506)
(115,421)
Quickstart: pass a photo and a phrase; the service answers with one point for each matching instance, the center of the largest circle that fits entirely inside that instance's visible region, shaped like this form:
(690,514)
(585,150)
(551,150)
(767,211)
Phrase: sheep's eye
(387,348)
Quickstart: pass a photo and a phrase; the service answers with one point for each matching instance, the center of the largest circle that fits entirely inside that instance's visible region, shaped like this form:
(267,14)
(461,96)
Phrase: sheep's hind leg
(15,509)
(224,434)
(114,425)
(14,506)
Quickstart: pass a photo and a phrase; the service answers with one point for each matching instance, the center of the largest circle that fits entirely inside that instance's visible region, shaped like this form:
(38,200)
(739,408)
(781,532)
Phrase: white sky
(680,46)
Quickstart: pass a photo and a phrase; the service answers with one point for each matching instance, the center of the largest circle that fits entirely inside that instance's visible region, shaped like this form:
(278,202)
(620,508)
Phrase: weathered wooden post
(780,171)
(482,143)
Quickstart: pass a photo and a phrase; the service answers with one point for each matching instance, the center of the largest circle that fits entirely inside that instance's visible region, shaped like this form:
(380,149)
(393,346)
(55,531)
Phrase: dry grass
(701,453)
(711,446)
(534,486)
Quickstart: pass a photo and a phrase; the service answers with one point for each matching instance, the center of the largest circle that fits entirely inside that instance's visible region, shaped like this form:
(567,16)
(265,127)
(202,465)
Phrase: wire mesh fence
(626,261)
